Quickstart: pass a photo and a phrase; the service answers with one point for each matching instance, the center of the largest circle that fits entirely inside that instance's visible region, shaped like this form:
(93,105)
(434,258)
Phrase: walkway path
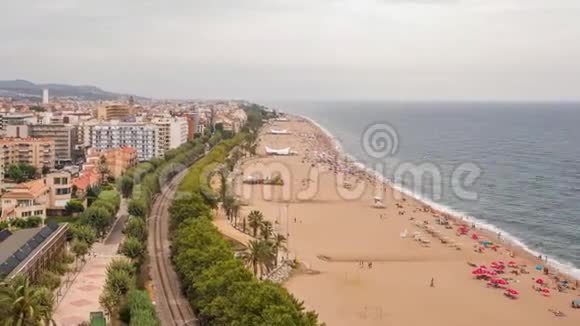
(83,295)
(229,231)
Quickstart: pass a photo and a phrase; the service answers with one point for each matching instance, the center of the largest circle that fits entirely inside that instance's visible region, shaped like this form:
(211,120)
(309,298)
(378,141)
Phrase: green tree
(137,228)
(83,233)
(186,207)
(266,230)
(259,255)
(223,184)
(255,219)
(98,218)
(279,243)
(133,248)
(74,206)
(125,186)
(79,248)
(23,304)
(137,207)
(141,309)
(49,280)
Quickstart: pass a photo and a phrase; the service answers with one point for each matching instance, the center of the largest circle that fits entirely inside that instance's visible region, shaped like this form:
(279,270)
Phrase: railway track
(172,307)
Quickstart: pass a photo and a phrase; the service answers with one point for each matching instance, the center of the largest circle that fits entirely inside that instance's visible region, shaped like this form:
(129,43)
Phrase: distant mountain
(26,89)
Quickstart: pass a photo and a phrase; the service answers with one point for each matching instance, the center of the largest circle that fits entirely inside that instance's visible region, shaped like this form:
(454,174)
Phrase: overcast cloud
(299,49)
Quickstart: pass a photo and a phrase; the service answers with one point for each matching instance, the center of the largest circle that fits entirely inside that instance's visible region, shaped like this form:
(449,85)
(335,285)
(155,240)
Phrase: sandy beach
(396,265)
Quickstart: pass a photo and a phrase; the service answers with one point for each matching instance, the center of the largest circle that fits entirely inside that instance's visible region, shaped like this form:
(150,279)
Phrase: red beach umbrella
(540,281)
(502,282)
(501,262)
(474,236)
(545,290)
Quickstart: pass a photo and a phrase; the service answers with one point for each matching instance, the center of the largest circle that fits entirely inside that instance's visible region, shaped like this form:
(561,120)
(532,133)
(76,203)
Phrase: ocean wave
(560,265)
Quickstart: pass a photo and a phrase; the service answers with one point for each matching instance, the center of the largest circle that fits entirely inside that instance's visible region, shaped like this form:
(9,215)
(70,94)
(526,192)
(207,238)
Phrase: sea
(513,168)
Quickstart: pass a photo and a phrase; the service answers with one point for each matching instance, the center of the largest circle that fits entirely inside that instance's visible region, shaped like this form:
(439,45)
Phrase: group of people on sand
(362,264)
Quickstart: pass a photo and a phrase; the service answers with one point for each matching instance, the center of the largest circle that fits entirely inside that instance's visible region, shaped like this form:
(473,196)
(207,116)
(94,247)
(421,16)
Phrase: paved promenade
(82,297)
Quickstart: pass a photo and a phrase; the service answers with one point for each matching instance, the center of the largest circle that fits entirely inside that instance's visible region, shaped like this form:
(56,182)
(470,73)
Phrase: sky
(299,49)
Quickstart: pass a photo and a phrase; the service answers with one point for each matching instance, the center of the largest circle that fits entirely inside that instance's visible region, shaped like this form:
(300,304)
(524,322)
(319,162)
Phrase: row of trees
(20,172)
(220,288)
(25,303)
(21,223)
(101,213)
(121,297)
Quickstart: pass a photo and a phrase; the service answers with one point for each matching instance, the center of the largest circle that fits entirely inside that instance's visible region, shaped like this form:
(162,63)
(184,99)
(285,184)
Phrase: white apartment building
(178,132)
(145,138)
(172,132)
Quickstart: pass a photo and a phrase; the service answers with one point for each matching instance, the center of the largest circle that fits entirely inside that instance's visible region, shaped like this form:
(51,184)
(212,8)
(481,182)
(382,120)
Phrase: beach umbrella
(501,262)
(501,267)
(545,290)
(491,273)
(539,267)
(502,282)
(474,236)
(483,266)
(540,281)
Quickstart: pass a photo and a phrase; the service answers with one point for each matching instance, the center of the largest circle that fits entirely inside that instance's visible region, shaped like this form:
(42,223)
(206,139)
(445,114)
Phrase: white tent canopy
(279,132)
(284,151)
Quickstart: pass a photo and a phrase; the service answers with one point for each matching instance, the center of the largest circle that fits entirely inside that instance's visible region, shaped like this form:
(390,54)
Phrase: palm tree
(227,205)
(259,255)
(255,219)
(223,185)
(266,230)
(279,243)
(23,304)
(235,211)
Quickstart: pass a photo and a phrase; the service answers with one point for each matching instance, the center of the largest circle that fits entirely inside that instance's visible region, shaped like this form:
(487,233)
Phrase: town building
(34,198)
(7,119)
(65,139)
(25,200)
(87,178)
(172,132)
(118,160)
(38,152)
(31,251)
(60,190)
(143,137)
(114,111)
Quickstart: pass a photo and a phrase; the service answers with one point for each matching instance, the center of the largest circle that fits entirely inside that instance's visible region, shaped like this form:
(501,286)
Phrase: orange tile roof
(29,190)
(87,178)
(8,140)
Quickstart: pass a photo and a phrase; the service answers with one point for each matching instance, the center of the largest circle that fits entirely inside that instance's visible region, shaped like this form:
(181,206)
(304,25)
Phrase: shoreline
(564,269)
(362,265)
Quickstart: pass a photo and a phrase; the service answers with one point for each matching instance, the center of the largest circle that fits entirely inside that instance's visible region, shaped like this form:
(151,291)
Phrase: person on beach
(370,265)
(432,282)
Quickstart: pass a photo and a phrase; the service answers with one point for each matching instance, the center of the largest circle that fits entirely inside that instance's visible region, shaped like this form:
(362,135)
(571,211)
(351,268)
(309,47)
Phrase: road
(172,306)
(116,234)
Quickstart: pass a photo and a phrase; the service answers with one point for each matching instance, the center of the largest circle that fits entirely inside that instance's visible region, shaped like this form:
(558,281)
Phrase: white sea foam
(563,266)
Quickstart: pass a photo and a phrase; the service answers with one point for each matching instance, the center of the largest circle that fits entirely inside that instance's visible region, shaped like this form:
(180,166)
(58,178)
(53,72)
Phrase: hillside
(26,89)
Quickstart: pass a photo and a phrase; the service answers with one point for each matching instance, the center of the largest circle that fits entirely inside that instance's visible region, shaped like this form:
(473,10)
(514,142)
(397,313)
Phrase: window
(26,214)
(63,191)
(38,213)
(60,181)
